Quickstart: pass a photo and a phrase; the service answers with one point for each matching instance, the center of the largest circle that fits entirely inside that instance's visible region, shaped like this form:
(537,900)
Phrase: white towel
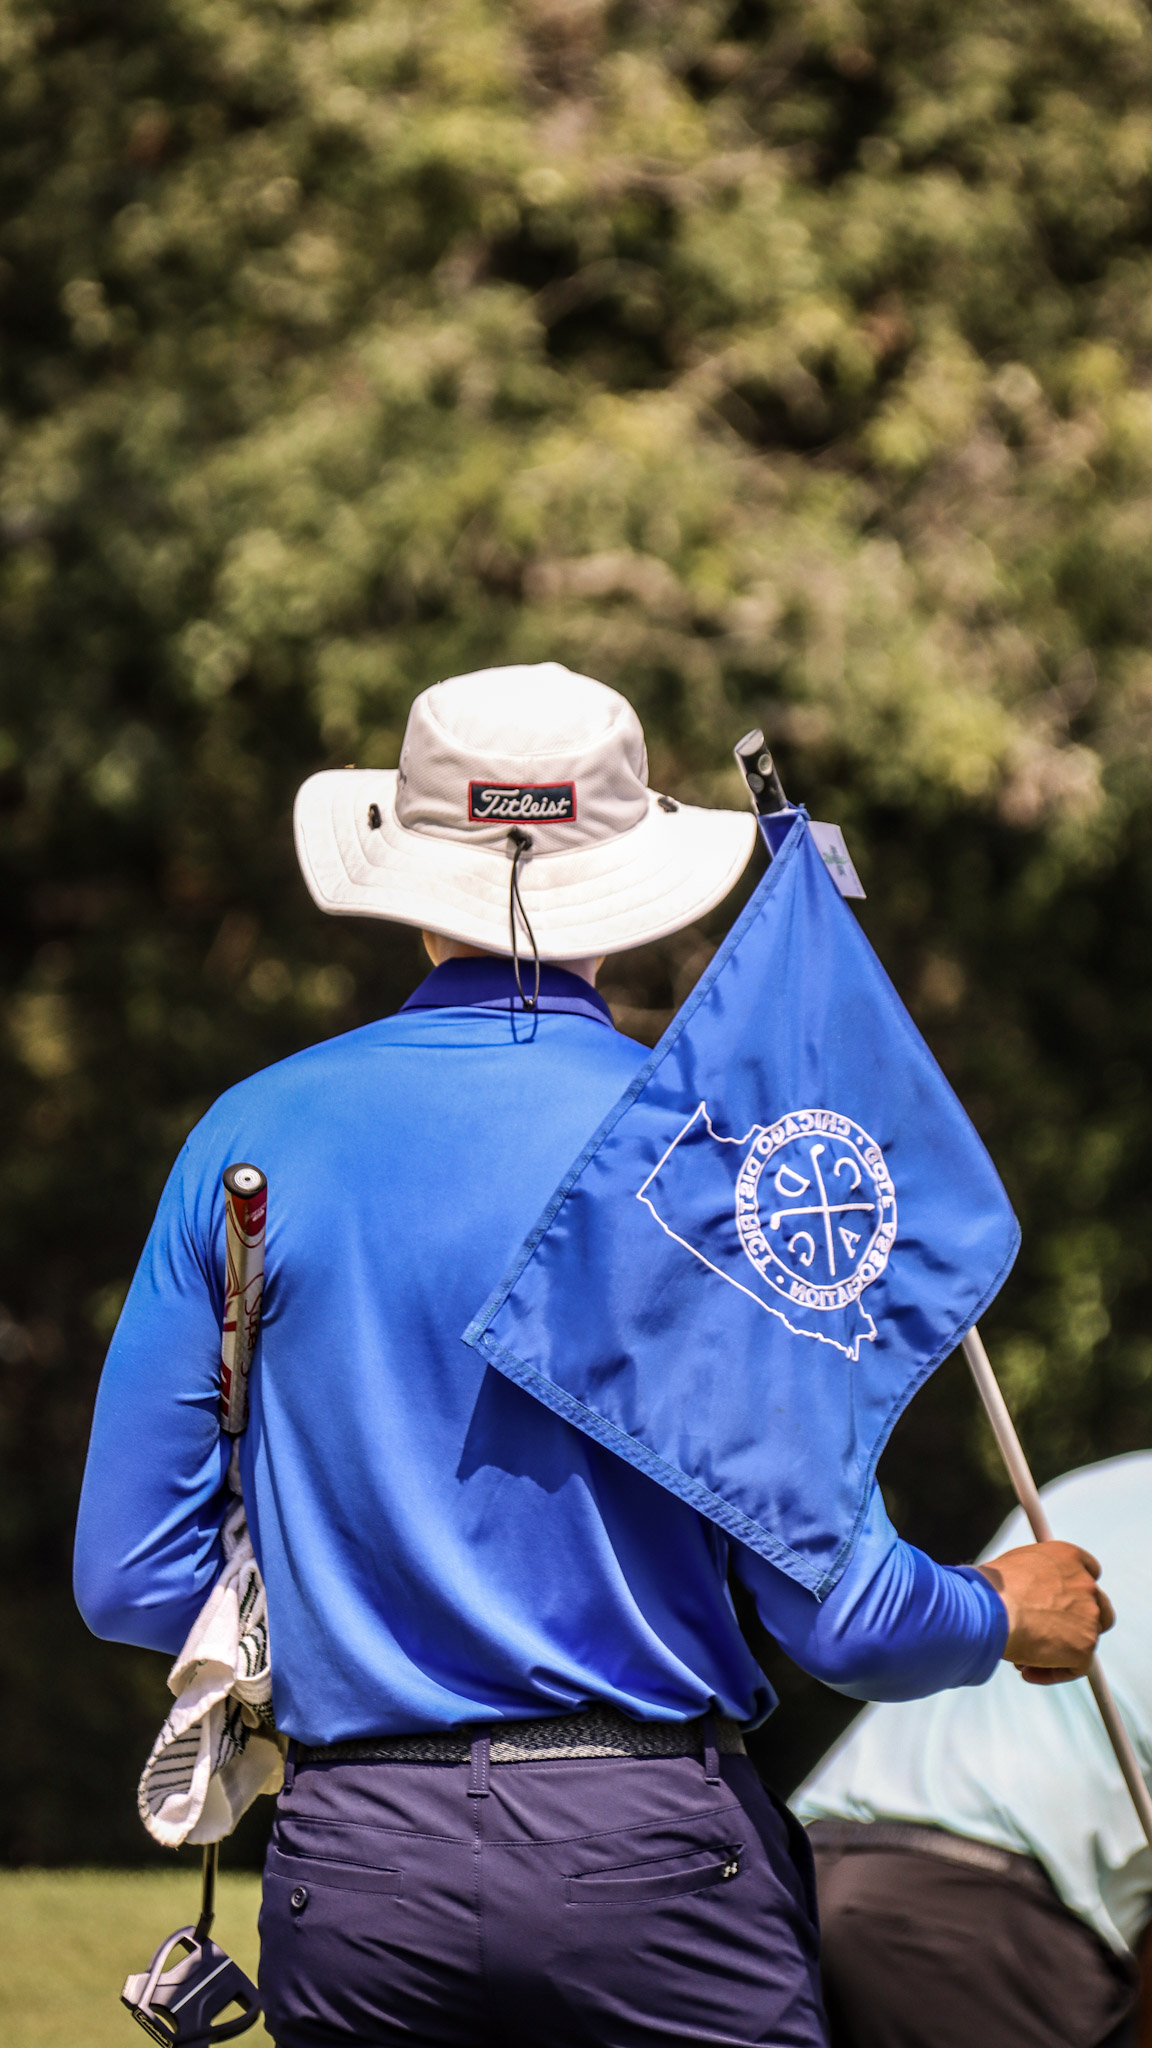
(217,1750)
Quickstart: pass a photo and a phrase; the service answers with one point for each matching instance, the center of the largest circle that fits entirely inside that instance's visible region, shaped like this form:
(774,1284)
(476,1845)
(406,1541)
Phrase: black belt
(597,1732)
(853,1835)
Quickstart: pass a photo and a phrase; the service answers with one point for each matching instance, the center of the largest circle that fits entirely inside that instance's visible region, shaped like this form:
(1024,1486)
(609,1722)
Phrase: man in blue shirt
(516,1804)
(995,1825)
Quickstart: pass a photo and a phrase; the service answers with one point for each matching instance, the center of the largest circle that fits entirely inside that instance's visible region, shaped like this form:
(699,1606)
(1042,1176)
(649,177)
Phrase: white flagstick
(1019,1471)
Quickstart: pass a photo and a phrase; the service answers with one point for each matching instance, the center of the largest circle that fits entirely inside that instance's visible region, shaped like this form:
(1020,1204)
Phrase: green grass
(68,1939)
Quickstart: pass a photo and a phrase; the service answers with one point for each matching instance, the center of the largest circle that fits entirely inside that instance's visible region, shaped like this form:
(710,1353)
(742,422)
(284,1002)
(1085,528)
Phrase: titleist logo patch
(546,802)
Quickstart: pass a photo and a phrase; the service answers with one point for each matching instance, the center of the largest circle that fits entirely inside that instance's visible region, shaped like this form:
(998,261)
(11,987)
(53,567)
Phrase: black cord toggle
(521,843)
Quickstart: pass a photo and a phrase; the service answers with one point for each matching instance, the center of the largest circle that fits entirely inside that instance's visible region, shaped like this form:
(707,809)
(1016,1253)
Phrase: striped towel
(217,1750)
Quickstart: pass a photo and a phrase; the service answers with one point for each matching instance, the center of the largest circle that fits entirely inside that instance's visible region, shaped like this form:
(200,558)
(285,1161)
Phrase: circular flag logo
(816,1208)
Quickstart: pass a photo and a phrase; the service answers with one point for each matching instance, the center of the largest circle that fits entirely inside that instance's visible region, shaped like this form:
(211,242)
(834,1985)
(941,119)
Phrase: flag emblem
(813,1208)
(829,1223)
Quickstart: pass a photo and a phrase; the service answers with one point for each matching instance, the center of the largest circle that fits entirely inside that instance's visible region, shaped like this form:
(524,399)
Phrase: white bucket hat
(488,760)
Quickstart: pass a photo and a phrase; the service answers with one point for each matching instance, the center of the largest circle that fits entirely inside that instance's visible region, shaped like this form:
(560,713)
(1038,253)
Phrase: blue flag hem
(678,1482)
(649,1462)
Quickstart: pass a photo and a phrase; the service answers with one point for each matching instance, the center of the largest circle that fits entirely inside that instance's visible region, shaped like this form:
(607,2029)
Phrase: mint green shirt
(1029,1767)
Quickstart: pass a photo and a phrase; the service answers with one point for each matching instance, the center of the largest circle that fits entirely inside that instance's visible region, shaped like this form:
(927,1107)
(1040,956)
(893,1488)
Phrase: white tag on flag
(836,858)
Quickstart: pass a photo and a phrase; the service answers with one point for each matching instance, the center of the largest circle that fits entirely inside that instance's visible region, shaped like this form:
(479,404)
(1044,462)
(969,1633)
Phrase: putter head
(177,2006)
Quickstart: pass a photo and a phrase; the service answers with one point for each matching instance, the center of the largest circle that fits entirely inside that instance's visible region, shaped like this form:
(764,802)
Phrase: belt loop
(711,1738)
(478,1789)
(290,1766)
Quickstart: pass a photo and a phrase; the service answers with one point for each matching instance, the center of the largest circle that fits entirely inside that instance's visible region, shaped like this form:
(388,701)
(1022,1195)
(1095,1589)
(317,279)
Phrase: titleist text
(546,802)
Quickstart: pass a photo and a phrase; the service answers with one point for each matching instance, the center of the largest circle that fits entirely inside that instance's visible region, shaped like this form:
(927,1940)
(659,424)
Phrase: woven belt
(596,1732)
(929,1841)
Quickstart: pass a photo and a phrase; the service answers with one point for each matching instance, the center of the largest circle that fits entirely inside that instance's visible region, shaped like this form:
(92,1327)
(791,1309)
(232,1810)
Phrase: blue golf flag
(773,1239)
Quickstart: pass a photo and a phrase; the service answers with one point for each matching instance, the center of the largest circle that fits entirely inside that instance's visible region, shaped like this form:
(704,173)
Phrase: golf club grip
(245,1216)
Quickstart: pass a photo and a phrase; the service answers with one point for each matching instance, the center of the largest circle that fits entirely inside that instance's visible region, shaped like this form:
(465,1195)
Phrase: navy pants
(554,1904)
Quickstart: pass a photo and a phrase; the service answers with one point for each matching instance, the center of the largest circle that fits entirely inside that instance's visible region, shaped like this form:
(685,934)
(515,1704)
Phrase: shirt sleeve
(894,1627)
(148,1547)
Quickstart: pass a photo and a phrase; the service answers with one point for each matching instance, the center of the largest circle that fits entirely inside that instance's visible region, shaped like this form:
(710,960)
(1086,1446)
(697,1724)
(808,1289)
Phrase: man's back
(437,1547)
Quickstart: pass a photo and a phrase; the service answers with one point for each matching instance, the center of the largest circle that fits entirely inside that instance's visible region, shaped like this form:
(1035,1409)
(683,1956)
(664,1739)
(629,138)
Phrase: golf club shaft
(208,1890)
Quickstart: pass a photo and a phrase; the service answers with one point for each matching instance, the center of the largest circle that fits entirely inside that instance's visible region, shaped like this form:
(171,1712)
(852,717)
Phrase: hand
(1056,1610)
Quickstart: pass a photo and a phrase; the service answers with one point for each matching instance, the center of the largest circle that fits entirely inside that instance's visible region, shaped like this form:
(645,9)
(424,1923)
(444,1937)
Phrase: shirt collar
(489,984)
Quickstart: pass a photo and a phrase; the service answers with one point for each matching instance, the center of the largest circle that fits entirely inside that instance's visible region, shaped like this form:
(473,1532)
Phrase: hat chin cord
(521,843)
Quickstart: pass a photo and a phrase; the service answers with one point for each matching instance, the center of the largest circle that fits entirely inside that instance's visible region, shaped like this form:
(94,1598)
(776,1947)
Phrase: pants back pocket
(303,1873)
(662,1877)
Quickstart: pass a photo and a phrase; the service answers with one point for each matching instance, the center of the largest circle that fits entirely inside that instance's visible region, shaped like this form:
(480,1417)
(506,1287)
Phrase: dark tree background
(783,364)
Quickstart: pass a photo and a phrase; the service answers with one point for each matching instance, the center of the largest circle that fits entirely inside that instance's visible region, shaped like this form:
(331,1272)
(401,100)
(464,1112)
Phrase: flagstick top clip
(772,808)
(756,765)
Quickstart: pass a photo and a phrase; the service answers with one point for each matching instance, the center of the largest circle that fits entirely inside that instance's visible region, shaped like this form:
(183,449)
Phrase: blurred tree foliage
(779,363)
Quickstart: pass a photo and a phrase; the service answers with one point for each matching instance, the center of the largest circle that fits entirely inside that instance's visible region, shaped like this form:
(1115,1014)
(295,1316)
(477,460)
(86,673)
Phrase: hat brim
(660,875)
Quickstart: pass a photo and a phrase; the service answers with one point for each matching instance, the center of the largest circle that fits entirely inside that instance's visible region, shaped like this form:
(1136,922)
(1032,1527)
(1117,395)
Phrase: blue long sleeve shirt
(437,1547)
